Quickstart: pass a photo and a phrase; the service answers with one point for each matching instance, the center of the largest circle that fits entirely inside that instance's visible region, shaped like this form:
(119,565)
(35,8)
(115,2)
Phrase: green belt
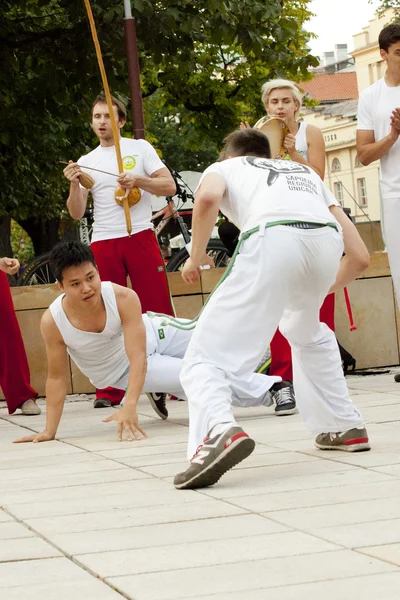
(168,320)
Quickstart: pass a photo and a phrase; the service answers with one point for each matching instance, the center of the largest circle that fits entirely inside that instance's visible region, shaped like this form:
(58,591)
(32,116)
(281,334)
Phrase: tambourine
(275,129)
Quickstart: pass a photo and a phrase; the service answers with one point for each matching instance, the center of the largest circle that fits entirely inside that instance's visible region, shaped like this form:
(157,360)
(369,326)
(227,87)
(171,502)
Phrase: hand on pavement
(43,436)
(127,421)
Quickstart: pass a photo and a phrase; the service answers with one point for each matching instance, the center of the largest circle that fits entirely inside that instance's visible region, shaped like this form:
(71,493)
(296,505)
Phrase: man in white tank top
(101,327)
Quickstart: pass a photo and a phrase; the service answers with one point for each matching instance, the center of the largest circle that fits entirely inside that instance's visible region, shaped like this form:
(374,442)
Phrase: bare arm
(134,330)
(315,151)
(57,379)
(356,259)
(205,212)
(77,199)
(369,150)
(159,183)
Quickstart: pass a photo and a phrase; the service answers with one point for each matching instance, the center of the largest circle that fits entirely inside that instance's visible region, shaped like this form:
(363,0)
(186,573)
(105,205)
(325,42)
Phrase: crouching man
(101,327)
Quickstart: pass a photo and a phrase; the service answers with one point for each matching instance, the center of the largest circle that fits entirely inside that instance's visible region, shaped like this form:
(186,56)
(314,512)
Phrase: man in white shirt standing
(288,260)
(118,255)
(378,138)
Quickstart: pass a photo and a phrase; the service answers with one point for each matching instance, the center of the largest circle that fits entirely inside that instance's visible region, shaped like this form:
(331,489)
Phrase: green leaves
(202,65)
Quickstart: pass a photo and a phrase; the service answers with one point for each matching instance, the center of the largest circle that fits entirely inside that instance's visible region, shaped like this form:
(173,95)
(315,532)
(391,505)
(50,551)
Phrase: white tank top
(100,356)
(301,140)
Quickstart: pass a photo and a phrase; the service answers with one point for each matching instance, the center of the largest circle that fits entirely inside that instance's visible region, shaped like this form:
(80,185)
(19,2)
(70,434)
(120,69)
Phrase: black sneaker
(102,403)
(159,404)
(214,457)
(283,395)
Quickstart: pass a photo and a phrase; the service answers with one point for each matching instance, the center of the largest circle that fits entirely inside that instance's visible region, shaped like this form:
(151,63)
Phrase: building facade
(355,186)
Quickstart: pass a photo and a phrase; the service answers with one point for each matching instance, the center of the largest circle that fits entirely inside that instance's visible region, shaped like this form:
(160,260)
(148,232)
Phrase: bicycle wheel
(37,271)
(215,249)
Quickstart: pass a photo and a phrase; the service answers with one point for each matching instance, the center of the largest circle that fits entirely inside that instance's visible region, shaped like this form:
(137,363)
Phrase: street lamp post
(133,71)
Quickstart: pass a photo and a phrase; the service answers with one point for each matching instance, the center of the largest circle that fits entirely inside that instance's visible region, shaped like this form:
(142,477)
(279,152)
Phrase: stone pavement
(88,518)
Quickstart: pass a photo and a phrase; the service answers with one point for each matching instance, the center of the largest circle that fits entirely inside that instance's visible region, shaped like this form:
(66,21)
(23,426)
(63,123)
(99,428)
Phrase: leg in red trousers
(146,268)
(138,256)
(14,369)
(111,268)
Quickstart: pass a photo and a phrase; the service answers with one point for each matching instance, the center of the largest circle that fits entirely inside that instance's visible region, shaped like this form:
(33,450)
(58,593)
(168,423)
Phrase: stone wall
(375,343)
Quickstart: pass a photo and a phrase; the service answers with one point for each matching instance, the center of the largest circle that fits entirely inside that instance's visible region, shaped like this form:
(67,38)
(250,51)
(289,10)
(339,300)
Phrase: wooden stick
(110,109)
(64,162)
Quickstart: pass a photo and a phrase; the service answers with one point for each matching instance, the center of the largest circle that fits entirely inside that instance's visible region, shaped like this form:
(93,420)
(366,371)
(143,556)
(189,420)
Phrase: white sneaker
(30,408)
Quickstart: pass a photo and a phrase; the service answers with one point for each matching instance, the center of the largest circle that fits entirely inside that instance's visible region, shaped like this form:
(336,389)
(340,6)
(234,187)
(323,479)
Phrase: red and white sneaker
(214,457)
(354,440)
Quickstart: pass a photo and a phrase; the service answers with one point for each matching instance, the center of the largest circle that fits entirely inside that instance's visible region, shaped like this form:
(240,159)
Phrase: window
(362,191)
(338,191)
(357,163)
(336,165)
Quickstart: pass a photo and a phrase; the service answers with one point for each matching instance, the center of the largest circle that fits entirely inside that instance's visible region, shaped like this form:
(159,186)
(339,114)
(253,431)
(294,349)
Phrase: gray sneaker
(353,440)
(214,457)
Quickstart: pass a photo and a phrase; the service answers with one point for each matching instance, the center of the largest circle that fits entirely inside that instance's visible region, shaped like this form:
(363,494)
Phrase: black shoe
(214,457)
(397,377)
(159,404)
(283,395)
(102,403)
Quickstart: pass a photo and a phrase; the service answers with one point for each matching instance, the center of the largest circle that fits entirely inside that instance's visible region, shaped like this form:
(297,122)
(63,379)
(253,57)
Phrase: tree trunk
(43,233)
(5,236)
(5,242)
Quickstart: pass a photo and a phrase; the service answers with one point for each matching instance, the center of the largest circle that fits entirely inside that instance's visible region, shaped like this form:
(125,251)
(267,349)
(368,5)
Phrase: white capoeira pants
(281,276)
(166,346)
(390,221)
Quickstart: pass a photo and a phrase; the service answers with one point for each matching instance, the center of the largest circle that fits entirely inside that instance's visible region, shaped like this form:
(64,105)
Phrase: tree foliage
(388,4)
(202,64)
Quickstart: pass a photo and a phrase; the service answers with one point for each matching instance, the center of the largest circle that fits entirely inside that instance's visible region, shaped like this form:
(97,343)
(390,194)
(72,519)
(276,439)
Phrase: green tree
(387,4)
(205,59)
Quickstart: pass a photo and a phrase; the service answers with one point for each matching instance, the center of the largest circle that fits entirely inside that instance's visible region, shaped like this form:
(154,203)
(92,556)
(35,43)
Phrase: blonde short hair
(276,84)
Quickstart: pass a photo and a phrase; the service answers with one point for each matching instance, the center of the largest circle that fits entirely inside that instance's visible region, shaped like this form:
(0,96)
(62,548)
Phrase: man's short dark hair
(389,35)
(246,142)
(69,254)
(121,108)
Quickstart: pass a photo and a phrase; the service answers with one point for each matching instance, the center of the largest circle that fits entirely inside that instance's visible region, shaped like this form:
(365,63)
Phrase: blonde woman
(305,143)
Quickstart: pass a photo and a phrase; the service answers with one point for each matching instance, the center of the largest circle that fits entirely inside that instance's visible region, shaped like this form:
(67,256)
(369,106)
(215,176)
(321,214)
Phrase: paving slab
(91,518)
(245,576)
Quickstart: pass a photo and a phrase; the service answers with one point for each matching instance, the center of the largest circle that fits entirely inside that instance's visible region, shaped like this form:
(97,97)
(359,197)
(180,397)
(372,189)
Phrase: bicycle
(38,270)
(215,248)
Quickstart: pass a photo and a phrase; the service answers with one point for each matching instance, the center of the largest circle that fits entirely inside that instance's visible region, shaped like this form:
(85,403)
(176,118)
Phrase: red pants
(14,369)
(281,354)
(138,256)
